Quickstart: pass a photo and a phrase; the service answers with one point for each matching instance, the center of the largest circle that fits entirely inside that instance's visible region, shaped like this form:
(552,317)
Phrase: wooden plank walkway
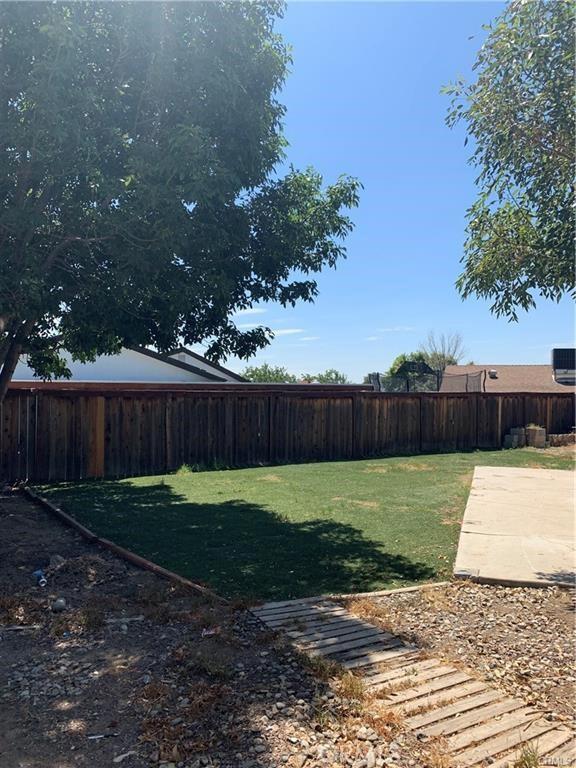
(480,724)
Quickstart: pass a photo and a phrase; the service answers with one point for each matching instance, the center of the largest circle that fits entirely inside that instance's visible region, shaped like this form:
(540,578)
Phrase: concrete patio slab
(519,527)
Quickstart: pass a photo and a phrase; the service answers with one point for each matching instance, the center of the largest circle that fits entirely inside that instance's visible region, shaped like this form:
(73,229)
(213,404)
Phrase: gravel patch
(136,672)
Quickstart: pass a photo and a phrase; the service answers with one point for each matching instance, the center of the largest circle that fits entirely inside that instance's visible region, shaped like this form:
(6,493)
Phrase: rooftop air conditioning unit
(564,366)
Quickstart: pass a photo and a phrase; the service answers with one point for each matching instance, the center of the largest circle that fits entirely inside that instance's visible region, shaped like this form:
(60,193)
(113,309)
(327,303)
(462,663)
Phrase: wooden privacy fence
(67,434)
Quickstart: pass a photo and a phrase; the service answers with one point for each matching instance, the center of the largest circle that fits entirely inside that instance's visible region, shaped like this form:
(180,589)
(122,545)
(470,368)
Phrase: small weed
(528,757)
(240,603)
(60,626)
(394,686)
(324,712)
(353,693)
(160,614)
(266,637)
(437,755)
(154,692)
(151,595)
(437,598)
(296,625)
(167,737)
(206,615)
(384,720)
(351,687)
(17,609)
(365,608)
(321,668)
(92,617)
(210,656)
(203,698)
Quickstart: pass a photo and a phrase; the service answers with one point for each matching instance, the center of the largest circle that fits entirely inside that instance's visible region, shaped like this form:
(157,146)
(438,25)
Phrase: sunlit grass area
(296,530)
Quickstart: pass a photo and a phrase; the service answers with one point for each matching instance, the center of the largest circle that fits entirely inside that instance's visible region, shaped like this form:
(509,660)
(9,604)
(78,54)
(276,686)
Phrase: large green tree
(139,197)
(519,113)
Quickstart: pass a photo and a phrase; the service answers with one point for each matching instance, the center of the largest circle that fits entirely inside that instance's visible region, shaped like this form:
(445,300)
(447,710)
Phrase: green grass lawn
(297,530)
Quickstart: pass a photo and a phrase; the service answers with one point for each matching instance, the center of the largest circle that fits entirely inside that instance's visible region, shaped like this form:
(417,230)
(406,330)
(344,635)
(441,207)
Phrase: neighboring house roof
(185,351)
(170,360)
(139,364)
(510,378)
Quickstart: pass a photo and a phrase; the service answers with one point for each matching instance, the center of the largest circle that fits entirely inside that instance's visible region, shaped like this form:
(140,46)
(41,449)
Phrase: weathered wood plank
(503,743)
(323,631)
(405,674)
(518,719)
(420,691)
(440,698)
(301,616)
(367,657)
(545,745)
(264,612)
(339,640)
(310,629)
(463,720)
(346,645)
(566,751)
(444,714)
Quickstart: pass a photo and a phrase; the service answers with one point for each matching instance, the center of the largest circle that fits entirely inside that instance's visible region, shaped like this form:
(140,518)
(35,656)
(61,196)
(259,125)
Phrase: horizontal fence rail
(71,434)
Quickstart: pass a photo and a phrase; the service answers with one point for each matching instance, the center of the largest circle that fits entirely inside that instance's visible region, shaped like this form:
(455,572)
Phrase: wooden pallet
(479,723)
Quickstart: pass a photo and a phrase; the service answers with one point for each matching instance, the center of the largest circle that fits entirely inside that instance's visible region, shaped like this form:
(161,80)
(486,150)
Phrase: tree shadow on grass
(237,548)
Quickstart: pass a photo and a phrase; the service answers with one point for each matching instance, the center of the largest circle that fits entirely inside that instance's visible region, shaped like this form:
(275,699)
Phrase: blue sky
(363,98)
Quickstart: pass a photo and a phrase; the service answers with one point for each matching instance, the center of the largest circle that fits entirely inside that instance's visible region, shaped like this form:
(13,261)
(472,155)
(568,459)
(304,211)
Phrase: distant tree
(139,197)
(406,357)
(331,376)
(442,350)
(520,115)
(393,382)
(272,374)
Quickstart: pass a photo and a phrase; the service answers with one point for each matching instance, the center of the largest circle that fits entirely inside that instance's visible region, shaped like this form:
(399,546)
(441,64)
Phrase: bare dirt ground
(137,672)
(521,639)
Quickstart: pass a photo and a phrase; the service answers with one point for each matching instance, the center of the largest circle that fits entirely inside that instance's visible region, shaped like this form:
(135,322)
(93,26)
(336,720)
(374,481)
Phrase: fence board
(449,423)
(52,435)
(489,422)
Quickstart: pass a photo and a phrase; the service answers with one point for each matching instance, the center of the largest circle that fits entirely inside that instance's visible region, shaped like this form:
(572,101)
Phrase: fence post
(420,397)
(168,433)
(96,458)
(357,431)
(270,429)
(477,398)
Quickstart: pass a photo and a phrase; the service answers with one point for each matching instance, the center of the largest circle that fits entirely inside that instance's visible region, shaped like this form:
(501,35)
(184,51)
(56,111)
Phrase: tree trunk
(12,354)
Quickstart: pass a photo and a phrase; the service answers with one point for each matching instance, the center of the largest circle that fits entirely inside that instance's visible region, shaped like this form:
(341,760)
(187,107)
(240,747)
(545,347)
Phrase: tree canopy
(275,374)
(437,351)
(329,376)
(269,374)
(442,350)
(406,357)
(140,203)
(519,113)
